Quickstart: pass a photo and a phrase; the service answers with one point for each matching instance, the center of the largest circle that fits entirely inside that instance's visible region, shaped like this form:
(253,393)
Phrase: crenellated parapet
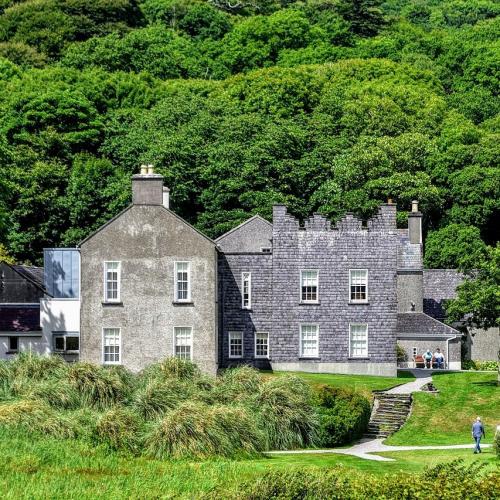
(383,221)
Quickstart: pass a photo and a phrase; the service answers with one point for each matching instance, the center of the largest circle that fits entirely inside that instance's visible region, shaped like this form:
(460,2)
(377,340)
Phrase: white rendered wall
(35,344)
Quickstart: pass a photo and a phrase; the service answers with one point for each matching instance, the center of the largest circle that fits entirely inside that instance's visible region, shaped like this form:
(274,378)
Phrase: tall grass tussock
(170,410)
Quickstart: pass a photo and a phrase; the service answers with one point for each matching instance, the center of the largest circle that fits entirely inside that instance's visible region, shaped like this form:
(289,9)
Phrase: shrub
(237,384)
(97,386)
(496,443)
(57,393)
(344,415)
(172,368)
(119,428)
(35,367)
(480,365)
(284,406)
(453,481)
(156,397)
(196,430)
(36,416)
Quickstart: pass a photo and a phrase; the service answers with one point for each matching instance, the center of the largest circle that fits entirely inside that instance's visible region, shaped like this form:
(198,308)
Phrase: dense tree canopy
(325,105)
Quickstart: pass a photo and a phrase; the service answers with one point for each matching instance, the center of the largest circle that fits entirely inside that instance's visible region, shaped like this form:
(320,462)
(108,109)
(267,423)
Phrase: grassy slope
(48,468)
(360,383)
(446,418)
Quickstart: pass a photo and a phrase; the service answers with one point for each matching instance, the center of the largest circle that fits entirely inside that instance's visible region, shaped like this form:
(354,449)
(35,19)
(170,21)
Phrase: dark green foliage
(453,480)
(324,105)
(343,414)
(119,429)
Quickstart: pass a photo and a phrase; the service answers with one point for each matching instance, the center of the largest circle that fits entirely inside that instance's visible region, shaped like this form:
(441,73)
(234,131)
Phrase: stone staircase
(389,413)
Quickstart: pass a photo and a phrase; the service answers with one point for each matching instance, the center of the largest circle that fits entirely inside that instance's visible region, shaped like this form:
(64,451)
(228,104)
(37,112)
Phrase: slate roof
(32,273)
(19,318)
(413,324)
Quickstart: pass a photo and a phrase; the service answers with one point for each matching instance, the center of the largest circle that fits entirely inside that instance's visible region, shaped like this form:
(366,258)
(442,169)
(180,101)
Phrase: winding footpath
(368,448)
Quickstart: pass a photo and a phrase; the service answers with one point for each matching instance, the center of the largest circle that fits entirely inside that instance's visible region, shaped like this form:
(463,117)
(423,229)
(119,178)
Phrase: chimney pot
(150,169)
(414,206)
(389,201)
(144,169)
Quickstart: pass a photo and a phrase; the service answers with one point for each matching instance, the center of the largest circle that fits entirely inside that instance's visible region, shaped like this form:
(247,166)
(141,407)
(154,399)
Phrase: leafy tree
(455,246)
(477,304)
(365,16)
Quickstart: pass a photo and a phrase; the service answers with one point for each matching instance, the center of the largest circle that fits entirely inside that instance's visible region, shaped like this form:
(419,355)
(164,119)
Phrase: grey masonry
(284,296)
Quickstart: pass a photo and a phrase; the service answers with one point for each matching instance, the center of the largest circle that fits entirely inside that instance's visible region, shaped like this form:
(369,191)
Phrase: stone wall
(333,252)
(147,240)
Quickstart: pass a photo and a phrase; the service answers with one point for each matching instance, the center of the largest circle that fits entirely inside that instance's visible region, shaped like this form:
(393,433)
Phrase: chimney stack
(147,187)
(415,223)
(166,197)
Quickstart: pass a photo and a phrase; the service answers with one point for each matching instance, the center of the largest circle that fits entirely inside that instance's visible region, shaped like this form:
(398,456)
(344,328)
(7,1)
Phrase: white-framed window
(358,340)
(262,345)
(182,281)
(111,352)
(309,286)
(309,341)
(235,344)
(358,285)
(183,342)
(13,344)
(112,278)
(246,290)
(66,342)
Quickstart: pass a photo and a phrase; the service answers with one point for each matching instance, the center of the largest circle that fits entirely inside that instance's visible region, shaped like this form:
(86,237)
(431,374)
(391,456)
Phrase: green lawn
(446,418)
(364,384)
(38,467)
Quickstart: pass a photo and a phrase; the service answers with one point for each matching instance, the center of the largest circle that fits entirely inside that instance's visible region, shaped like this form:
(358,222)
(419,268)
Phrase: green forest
(325,105)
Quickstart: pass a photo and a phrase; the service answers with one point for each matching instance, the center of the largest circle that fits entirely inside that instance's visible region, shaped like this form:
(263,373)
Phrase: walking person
(478,433)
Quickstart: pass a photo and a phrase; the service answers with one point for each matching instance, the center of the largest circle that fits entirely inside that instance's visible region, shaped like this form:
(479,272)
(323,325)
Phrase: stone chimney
(147,187)
(415,224)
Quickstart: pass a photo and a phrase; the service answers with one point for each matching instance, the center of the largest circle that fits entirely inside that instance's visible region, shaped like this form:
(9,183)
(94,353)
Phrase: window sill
(12,352)
(66,352)
(355,303)
(112,304)
(235,357)
(182,303)
(309,358)
(249,309)
(302,303)
(360,358)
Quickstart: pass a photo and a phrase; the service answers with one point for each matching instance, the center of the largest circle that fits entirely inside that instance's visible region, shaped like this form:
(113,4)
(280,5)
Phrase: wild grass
(170,410)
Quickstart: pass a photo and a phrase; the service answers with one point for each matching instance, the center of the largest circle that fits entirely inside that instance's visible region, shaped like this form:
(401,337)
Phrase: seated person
(439,358)
(427,359)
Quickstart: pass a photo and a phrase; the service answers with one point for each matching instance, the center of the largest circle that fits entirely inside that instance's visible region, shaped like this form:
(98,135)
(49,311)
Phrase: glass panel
(62,272)
(182,277)
(183,342)
(59,343)
(236,344)
(309,286)
(111,345)
(359,340)
(262,345)
(13,343)
(246,277)
(359,284)
(309,340)
(72,344)
(112,276)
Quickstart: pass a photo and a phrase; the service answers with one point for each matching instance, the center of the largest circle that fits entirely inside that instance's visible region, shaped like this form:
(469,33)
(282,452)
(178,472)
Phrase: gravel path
(366,449)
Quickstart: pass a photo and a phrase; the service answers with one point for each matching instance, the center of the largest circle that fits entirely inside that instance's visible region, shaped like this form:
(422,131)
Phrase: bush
(97,386)
(480,365)
(36,416)
(119,429)
(34,367)
(156,397)
(284,405)
(344,415)
(237,384)
(453,481)
(196,430)
(57,393)
(172,368)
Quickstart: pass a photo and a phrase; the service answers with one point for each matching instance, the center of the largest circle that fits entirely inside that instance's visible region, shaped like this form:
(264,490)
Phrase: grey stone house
(148,285)
(326,299)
